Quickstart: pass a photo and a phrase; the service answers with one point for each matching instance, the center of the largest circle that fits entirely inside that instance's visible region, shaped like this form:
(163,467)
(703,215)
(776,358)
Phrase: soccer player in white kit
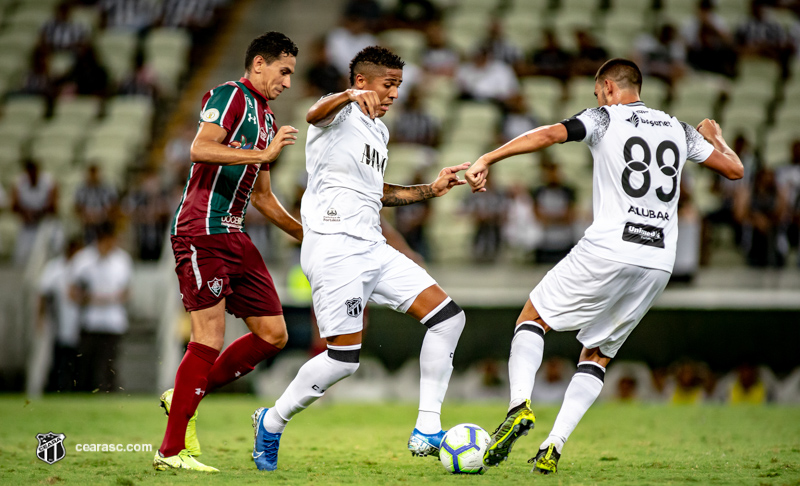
(348,262)
(613,275)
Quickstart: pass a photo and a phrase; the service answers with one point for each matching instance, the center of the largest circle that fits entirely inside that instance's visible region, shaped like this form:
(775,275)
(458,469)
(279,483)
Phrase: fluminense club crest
(51,447)
(215,286)
(354,307)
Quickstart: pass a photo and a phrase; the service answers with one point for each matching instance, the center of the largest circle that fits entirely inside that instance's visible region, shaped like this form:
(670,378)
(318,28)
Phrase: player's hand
(368,101)
(709,129)
(448,179)
(477,174)
(285,136)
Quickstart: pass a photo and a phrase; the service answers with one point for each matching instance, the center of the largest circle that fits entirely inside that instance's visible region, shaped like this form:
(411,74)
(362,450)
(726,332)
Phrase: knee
(274,333)
(448,319)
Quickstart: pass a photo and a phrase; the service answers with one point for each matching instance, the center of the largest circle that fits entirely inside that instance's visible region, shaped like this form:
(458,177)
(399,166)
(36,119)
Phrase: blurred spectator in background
(689,384)
(195,15)
(62,34)
(95,203)
(142,81)
(344,42)
(148,207)
(135,15)
(789,390)
(412,220)
(748,384)
(552,380)
(439,58)
(413,124)
(762,210)
(502,49)
(591,55)
(521,231)
(87,76)
(414,14)
(788,176)
(58,311)
(483,78)
(177,156)
(630,381)
(710,45)
(761,37)
(489,214)
(39,80)
(687,248)
(662,56)
(551,59)
(517,118)
(725,190)
(99,280)
(554,207)
(33,198)
(322,77)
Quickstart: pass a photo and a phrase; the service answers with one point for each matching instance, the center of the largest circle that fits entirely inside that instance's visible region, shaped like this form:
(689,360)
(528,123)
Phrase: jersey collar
(635,103)
(253,89)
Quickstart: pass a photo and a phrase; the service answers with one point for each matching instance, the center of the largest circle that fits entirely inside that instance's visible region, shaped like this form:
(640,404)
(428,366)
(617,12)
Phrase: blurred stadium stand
(128,133)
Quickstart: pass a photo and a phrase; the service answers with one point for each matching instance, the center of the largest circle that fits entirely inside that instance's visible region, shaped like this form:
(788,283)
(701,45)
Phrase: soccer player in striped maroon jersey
(218,266)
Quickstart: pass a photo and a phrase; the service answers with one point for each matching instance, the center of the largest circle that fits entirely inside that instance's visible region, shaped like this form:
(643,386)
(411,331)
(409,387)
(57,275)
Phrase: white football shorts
(602,298)
(346,272)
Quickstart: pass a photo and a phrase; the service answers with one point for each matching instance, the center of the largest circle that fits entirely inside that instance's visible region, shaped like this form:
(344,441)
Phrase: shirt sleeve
(223,106)
(342,115)
(588,126)
(697,148)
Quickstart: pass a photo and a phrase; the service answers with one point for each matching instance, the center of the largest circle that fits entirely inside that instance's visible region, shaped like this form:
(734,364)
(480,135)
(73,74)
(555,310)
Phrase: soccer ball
(462,449)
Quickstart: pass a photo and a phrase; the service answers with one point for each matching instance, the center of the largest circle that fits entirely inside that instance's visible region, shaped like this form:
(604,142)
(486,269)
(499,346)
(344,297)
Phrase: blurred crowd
(682,383)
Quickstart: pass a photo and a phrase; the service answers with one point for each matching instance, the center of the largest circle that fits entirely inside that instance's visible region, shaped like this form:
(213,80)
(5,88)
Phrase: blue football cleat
(422,445)
(265,444)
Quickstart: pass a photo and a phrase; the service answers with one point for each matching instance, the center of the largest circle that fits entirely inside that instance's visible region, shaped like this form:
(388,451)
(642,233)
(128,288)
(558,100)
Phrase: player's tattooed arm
(394,195)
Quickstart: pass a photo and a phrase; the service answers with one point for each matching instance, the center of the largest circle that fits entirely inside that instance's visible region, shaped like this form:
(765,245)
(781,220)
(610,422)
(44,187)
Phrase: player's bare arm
(723,160)
(208,148)
(394,195)
(265,201)
(531,141)
(323,112)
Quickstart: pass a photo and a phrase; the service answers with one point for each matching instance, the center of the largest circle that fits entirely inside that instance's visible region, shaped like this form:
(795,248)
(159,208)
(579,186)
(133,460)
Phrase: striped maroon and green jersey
(215,198)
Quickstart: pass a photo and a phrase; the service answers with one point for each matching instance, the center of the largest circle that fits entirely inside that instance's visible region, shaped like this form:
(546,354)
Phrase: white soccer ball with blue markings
(462,449)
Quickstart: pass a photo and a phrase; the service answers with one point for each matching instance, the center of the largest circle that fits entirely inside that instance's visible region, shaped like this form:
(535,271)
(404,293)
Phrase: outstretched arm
(322,113)
(536,139)
(265,201)
(723,160)
(207,147)
(394,195)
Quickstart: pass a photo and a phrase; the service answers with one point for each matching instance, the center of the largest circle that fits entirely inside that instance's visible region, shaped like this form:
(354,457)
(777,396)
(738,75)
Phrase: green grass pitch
(366,444)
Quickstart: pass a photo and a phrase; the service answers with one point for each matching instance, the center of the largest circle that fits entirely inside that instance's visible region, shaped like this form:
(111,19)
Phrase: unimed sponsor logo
(643,234)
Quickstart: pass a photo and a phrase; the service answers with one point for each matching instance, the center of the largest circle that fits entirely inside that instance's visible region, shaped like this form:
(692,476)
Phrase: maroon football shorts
(229,266)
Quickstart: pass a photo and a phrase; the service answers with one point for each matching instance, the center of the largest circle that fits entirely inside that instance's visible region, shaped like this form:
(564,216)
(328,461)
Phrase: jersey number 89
(643,167)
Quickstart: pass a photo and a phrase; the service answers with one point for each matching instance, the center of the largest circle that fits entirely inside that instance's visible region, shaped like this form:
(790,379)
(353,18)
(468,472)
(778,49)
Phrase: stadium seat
(88,16)
(408,44)
(32,15)
(764,72)
(543,95)
(13,65)
(136,111)
(405,159)
(522,28)
(25,108)
(777,148)
(11,153)
(117,49)
(167,51)
(79,110)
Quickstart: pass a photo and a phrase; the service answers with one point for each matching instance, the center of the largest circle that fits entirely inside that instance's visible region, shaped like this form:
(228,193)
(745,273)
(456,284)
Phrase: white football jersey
(638,155)
(346,161)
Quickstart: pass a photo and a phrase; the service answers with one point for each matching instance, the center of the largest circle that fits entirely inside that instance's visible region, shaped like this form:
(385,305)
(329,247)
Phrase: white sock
(581,393)
(524,361)
(317,375)
(445,324)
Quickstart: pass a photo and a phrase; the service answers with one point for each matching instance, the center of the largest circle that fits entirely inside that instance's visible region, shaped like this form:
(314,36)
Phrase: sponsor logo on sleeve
(643,234)
(210,115)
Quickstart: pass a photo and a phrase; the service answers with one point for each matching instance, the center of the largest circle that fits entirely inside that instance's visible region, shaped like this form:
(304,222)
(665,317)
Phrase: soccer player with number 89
(611,278)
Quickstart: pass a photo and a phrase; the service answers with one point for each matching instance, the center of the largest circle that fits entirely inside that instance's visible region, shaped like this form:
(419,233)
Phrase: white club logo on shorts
(354,307)
(210,115)
(215,286)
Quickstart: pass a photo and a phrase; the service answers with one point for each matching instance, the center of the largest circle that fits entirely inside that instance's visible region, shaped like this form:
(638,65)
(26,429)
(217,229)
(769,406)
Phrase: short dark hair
(270,46)
(374,56)
(623,72)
